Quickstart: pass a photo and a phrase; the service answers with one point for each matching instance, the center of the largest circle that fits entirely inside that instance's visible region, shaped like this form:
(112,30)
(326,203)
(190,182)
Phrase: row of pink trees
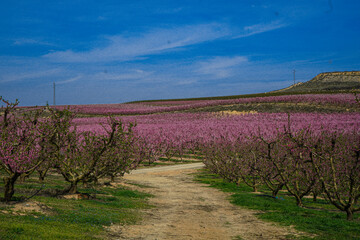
(301,159)
(303,162)
(335,158)
(87,156)
(30,142)
(278,157)
(344,99)
(21,141)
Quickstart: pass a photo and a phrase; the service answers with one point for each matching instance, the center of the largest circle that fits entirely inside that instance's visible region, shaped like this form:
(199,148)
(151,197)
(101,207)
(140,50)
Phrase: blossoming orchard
(304,153)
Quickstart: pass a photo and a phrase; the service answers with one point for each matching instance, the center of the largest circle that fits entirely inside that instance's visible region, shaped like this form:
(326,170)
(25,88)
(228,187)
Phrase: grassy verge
(62,218)
(274,107)
(318,218)
(175,160)
(268,94)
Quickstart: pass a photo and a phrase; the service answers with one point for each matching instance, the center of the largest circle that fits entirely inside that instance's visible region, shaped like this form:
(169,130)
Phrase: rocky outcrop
(343,77)
(328,81)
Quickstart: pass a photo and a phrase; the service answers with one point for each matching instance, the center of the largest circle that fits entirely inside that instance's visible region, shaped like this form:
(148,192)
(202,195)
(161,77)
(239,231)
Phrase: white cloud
(30,41)
(186,82)
(124,48)
(261,28)
(136,74)
(70,80)
(19,76)
(220,67)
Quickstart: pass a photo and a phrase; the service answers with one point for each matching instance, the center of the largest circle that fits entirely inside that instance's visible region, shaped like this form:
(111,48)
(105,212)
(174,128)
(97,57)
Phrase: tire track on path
(186,210)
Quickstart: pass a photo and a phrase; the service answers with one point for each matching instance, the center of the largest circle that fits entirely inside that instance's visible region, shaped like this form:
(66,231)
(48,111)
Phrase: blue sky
(118,51)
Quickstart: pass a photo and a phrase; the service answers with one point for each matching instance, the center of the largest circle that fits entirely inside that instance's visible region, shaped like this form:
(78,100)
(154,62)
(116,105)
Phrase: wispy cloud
(124,48)
(30,41)
(19,76)
(261,28)
(69,80)
(135,74)
(220,67)
(157,41)
(91,19)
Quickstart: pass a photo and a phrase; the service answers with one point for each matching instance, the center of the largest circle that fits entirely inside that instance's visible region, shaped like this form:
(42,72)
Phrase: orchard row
(30,142)
(303,162)
(303,153)
(346,100)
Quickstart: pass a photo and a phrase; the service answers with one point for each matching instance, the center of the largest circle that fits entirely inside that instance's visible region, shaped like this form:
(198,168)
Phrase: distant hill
(328,82)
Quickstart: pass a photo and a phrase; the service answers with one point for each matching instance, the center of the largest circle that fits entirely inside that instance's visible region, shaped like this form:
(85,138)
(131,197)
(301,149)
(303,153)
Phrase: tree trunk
(314,197)
(277,189)
(41,176)
(9,186)
(275,192)
(349,214)
(298,201)
(73,188)
(96,181)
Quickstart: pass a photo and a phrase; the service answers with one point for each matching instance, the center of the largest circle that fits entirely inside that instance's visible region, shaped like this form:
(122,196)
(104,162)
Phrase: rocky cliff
(329,81)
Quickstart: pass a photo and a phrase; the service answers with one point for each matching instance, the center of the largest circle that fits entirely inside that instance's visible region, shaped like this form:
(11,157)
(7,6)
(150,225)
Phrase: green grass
(237,238)
(173,160)
(266,94)
(140,185)
(154,164)
(69,218)
(274,107)
(192,156)
(163,161)
(320,218)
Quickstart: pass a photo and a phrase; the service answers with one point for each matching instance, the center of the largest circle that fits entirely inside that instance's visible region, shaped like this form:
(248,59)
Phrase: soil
(24,208)
(184,209)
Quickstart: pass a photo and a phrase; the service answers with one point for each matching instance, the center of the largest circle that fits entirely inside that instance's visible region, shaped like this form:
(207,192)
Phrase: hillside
(328,82)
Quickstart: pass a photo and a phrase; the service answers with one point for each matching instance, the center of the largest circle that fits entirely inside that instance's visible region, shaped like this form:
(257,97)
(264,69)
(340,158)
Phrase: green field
(49,215)
(320,219)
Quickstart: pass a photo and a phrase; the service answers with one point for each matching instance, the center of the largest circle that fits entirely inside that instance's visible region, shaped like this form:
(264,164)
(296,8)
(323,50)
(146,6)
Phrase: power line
(54,94)
(294,75)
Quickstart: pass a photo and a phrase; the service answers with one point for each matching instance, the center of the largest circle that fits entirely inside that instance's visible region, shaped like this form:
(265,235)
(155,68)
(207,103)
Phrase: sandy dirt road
(185,209)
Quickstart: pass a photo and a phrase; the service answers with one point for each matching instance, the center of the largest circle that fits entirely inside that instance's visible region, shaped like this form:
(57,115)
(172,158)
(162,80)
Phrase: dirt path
(188,210)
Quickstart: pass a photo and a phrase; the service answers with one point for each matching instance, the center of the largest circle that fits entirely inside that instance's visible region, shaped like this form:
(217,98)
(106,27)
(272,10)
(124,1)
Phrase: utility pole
(294,75)
(54,94)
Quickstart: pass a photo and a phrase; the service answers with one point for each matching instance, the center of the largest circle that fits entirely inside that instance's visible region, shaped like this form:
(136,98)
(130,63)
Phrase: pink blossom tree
(336,159)
(20,145)
(86,156)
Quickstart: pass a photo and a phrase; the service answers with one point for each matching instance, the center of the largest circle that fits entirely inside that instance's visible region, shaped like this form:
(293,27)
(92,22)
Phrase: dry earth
(185,209)
(23,208)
